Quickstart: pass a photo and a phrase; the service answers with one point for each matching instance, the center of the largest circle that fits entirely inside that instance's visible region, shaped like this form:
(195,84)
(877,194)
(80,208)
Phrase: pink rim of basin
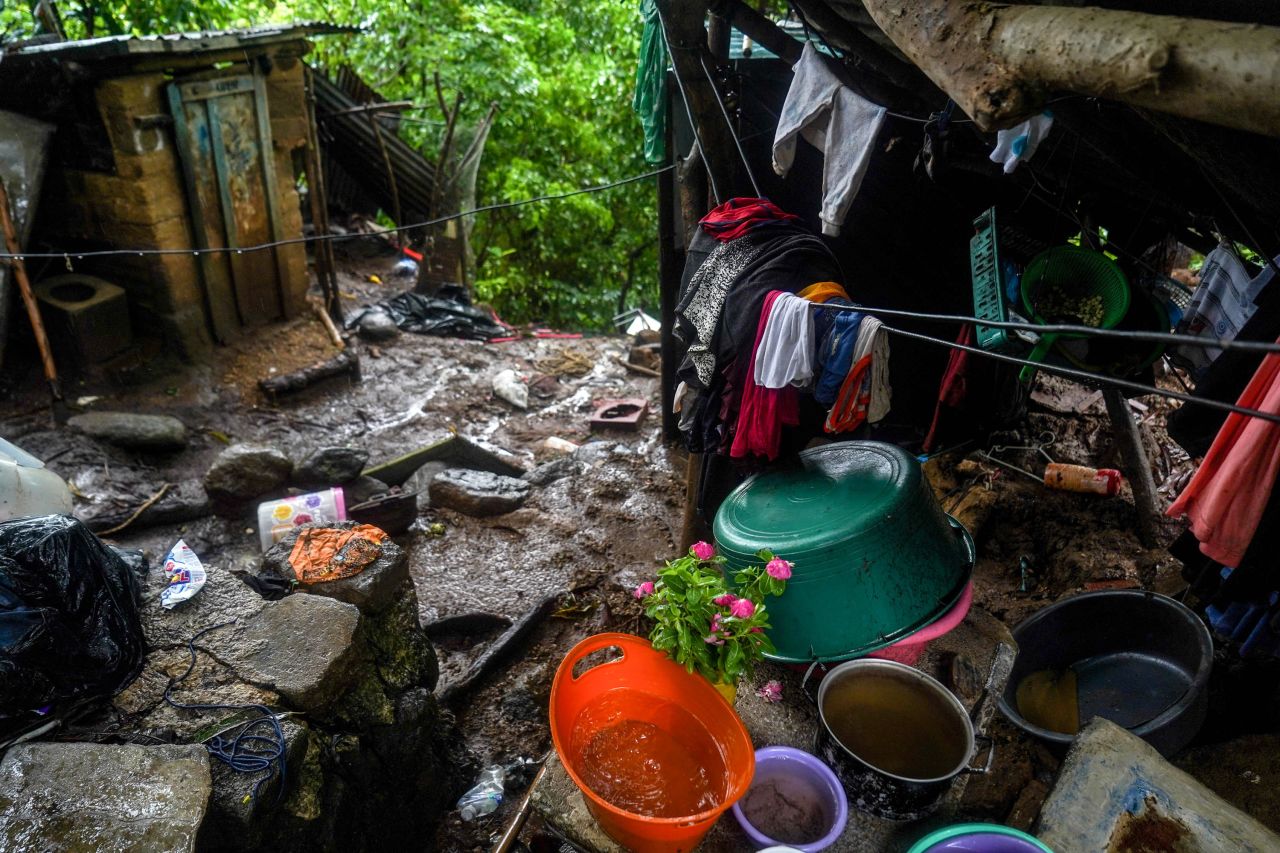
(909,649)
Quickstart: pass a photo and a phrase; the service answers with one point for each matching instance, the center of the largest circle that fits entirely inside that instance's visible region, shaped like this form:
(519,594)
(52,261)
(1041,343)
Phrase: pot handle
(804,683)
(991,755)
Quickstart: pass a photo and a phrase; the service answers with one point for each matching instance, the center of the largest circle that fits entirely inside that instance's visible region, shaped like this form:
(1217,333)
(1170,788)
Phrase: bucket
(895,737)
(600,711)
(986,837)
(795,800)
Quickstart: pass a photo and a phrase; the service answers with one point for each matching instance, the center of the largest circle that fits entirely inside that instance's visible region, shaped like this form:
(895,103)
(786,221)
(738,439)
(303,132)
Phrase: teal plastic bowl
(875,558)
(979,838)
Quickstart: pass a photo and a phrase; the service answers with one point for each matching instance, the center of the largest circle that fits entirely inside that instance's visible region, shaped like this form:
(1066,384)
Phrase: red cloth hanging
(737,216)
(952,389)
(1225,499)
(763,411)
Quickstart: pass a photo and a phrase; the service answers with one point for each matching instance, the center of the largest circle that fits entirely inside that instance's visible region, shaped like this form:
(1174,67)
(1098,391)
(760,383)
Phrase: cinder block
(141,93)
(87,318)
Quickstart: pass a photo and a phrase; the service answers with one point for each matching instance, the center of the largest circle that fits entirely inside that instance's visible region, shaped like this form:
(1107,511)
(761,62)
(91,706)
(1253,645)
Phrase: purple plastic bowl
(984,842)
(785,761)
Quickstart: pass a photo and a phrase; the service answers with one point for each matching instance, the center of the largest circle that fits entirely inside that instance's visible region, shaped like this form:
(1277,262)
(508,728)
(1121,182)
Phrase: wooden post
(669,269)
(28,297)
(1135,462)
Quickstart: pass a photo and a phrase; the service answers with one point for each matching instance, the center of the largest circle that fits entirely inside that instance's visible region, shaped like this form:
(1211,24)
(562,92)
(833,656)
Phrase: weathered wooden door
(224,142)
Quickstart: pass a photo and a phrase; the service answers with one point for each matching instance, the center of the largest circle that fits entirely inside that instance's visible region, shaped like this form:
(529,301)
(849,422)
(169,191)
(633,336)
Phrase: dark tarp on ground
(69,622)
(449,314)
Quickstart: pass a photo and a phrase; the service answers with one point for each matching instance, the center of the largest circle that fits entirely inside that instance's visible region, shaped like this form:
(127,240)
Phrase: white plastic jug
(27,488)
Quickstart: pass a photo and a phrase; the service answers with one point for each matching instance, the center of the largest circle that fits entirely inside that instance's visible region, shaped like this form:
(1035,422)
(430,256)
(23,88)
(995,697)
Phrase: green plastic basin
(875,558)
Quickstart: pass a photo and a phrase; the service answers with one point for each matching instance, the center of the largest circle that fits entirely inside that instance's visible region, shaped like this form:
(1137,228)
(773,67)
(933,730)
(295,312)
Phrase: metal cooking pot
(875,558)
(895,737)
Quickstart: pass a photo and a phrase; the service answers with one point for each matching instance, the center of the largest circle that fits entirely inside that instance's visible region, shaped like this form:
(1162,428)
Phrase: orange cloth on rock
(823,291)
(329,554)
(1225,499)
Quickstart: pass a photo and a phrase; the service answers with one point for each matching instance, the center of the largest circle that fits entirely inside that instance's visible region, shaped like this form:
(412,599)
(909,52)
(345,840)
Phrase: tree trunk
(1000,62)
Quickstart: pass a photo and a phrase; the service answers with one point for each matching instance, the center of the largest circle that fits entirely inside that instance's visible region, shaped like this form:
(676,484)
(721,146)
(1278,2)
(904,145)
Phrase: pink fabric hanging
(1225,499)
(764,411)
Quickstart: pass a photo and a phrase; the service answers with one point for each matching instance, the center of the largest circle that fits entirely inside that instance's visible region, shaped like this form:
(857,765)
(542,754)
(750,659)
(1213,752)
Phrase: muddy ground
(590,537)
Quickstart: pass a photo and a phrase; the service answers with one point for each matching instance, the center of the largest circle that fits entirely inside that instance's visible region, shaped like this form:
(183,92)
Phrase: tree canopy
(561,73)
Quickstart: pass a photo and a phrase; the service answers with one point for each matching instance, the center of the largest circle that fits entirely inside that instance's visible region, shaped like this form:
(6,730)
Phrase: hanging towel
(835,356)
(650,99)
(1225,499)
(1020,142)
(785,353)
(952,389)
(764,411)
(737,216)
(1222,304)
(865,393)
(836,121)
(823,291)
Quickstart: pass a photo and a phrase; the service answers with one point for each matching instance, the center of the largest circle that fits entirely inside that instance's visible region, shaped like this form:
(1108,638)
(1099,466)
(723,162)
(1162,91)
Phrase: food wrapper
(185,573)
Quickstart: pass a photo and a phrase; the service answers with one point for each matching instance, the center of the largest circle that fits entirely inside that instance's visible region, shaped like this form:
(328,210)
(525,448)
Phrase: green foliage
(701,625)
(562,74)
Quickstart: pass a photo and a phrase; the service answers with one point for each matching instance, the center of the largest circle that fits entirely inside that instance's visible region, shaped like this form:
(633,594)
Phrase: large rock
(302,647)
(372,590)
(141,432)
(557,469)
(330,466)
(478,493)
(378,326)
(82,796)
(243,472)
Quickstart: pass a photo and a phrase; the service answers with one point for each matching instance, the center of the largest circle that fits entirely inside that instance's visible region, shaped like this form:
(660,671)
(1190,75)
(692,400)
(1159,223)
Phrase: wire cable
(246,751)
(316,238)
(746,164)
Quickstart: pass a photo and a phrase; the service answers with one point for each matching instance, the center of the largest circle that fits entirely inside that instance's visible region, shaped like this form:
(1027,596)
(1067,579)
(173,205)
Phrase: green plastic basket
(1080,275)
(988,296)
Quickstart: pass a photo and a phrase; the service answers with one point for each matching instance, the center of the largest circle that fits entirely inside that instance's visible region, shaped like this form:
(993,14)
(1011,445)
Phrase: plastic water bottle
(485,796)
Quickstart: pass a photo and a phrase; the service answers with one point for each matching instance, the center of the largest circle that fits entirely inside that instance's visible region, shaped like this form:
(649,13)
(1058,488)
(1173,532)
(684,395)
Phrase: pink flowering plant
(703,625)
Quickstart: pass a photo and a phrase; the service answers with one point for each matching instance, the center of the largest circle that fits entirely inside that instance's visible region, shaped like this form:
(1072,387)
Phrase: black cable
(684,97)
(1064,329)
(316,238)
(246,752)
(1090,378)
(729,124)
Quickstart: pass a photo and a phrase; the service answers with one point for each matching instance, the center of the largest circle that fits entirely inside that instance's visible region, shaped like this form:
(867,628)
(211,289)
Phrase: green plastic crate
(988,298)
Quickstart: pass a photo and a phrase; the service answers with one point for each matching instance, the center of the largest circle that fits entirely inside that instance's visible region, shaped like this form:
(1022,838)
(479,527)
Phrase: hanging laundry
(698,314)
(1230,490)
(1020,142)
(835,120)
(764,411)
(737,216)
(823,291)
(952,389)
(650,99)
(865,394)
(784,355)
(1221,305)
(835,356)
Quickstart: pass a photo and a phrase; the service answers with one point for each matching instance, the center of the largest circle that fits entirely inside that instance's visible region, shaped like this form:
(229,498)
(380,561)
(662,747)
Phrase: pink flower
(724,600)
(757,630)
(644,590)
(778,569)
(702,551)
(715,623)
(771,691)
(743,608)
(713,640)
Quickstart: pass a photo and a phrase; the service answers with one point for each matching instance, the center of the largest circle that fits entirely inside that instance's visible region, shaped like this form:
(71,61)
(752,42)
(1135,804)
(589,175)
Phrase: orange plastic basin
(645,688)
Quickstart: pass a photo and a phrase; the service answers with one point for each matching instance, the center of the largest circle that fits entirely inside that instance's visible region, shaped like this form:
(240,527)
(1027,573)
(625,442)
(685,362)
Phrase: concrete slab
(1114,792)
(981,640)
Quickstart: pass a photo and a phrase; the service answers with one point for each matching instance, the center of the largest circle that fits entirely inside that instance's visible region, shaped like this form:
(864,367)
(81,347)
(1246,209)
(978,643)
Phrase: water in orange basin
(665,765)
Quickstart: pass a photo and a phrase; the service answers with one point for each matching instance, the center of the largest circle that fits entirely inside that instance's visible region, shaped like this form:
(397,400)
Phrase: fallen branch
(139,511)
(345,363)
(636,368)
(329,326)
(999,63)
(501,647)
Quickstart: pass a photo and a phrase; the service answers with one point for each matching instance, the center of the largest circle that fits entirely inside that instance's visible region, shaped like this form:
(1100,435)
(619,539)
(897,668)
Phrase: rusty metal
(28,298)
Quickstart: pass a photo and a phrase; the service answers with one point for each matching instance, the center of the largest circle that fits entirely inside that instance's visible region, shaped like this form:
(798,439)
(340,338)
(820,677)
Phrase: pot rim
(1198,682)
(818,767)
(930,683)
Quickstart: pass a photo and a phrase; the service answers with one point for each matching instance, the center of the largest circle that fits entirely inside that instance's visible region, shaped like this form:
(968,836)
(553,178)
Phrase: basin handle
(991,754)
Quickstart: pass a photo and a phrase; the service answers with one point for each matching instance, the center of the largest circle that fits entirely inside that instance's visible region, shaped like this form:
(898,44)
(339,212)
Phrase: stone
(594,451)
(138,432)
(420,482)
(557,469)
(378,326)
(234,809)
(302,647)
(243,472)
(372,590)
(82,796)
(363,488)
(330,466)
(478,493)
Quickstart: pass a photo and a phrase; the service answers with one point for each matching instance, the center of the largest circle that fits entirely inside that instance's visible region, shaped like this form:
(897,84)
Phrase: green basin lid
(838,492)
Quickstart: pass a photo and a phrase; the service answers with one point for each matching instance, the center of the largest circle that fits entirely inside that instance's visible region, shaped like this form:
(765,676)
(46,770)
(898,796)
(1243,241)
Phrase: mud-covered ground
(591,536)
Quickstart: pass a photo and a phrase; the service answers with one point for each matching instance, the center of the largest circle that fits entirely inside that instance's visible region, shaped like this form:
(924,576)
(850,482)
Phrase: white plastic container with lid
(27,488)
(276,518)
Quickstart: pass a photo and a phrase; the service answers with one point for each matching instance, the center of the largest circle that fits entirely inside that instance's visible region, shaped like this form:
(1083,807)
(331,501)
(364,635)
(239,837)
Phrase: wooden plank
(290,303)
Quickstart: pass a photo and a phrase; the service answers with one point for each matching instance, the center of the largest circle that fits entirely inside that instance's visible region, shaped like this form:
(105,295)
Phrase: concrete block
(130,200)
(87,318)
(142,93)
(150,164)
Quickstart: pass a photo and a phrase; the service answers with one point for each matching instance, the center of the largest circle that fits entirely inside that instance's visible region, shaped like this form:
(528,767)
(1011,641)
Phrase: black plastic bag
(448,314)
(69,623)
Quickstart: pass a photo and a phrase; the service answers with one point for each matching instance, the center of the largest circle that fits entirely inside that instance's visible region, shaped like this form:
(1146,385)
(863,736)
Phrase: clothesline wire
(715,90)
(684,98)
(1064,329)
(316,238)
(1090,379)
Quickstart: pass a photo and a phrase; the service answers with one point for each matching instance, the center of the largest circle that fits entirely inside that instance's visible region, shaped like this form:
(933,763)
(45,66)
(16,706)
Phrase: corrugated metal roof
(741,48)
(110,47)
